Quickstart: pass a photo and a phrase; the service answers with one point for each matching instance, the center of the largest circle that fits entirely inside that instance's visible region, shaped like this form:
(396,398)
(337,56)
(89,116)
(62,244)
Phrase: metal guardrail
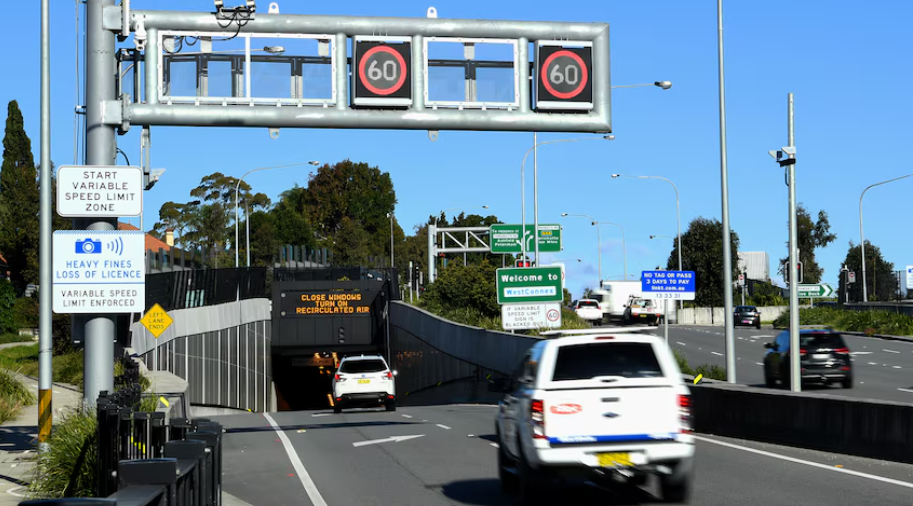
(146,459)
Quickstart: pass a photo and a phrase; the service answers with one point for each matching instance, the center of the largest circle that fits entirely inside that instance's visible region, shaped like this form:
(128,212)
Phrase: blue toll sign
(678,285)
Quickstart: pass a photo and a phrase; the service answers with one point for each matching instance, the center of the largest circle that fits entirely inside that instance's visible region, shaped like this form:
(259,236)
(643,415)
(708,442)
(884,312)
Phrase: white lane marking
(907,390)
(393,439)
(681,343)
(316,415)
(407,416)
(807,463)
(873,363)
(758,363)
(891,351)
(309,487)
(897,367)
(717,353)
(861,353)
(16,493)
(443,426)
(763,335)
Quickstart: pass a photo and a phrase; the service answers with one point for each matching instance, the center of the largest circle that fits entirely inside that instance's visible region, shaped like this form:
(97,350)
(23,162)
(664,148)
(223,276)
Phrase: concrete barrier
(715,316)
(866,428)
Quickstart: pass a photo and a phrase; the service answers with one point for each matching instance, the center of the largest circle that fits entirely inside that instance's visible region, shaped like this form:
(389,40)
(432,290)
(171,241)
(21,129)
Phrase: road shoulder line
(309,487)
(806,462)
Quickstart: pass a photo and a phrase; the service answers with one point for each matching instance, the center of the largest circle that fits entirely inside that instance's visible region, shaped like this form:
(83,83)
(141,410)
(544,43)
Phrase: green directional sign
(820,290)
(506,238)
(522,285)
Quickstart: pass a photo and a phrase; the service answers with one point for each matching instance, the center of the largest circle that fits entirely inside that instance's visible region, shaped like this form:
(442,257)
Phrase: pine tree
(19,196)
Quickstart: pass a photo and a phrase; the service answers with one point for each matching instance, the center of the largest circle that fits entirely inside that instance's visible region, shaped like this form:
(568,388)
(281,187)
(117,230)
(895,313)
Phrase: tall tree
(291,219)
(19,193)
(264,241)
(810,236)
(881,281)
(704,256)
(356,191)
(352,244)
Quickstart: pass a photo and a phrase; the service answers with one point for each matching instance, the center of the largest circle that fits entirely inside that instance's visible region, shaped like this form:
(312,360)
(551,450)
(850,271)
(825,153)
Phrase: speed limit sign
(382,71)
(564,75)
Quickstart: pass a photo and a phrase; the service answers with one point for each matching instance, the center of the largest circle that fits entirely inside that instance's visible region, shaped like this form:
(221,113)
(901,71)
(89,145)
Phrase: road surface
(883,369)
(354,459)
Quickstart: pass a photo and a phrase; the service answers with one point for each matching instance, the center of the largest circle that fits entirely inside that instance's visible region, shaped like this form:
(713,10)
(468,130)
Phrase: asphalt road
(883,369)
(321,459)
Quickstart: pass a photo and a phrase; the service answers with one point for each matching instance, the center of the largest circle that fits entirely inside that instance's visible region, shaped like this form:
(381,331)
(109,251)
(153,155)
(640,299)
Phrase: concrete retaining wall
(715,316)
(875,429)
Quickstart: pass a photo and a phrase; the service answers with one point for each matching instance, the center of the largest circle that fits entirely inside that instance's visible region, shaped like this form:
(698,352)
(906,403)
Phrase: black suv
(824,357)
(747,315)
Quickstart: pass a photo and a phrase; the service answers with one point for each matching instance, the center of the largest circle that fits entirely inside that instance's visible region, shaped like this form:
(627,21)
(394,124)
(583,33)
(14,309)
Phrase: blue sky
(846,62)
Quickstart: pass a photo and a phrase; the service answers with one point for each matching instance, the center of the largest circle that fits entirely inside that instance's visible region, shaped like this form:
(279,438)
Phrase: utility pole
(98,330)
(794,355)
(536,196)
(45,259)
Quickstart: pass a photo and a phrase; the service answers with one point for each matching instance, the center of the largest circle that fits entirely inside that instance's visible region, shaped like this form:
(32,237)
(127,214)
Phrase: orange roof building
(152,243)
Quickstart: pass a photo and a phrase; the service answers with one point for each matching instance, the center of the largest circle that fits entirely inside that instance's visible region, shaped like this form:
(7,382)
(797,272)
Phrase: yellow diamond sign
(157,320)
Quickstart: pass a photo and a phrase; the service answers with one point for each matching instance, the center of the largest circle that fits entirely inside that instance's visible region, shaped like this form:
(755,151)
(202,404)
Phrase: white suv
(604,406)
(363,380)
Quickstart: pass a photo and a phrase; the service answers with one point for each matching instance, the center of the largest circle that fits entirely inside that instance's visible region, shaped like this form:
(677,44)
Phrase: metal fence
(151,458)
(204,287)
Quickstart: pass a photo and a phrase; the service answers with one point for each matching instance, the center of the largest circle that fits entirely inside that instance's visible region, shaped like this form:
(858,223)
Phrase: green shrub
(67,469)
(682,362)
(7,300)
(870,322)
(14,395)
(713,372)
(25,313)
(14,337)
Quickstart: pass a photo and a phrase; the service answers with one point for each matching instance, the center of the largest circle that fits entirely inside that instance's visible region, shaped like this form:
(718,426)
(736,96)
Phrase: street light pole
(724,184)
(390,215)
(624,246)
(535,188)
(598,245)
(237,189)
(865,295)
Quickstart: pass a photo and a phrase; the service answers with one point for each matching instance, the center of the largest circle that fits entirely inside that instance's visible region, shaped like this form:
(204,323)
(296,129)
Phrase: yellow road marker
(698,378)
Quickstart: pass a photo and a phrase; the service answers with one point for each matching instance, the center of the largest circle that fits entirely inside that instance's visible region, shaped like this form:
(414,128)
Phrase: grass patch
(869,322)
(24,359)
(67,469)
(713,372)
(10,337)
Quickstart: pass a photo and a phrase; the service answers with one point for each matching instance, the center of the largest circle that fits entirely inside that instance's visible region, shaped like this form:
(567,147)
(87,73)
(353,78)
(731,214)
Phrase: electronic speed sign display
(564,75)
(382,71)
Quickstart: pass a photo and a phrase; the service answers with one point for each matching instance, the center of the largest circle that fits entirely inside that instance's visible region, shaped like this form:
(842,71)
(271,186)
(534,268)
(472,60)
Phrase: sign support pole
(98,330)
(536,195)
(666,321)
(794,364)
(45,273)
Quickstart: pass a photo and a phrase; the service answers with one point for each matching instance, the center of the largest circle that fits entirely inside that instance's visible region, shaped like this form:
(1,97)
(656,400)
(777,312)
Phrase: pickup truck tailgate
(606,415)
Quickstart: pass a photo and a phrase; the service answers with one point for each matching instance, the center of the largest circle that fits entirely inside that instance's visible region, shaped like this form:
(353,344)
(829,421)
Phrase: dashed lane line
(309,487)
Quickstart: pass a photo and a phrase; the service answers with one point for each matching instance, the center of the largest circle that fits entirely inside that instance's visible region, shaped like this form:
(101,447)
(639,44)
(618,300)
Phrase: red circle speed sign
(552,315)
(382,70)
(564,74)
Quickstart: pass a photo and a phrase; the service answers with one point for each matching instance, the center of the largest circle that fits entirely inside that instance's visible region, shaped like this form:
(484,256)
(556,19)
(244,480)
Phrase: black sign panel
(382,73)
(327,303)
(564,77)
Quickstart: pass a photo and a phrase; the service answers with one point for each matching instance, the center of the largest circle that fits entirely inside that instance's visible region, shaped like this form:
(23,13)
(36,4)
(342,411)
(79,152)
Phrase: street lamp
(390,215)
(598,244)
(865,295)
(237,188)
(659,84)
(536,188)
(624,247)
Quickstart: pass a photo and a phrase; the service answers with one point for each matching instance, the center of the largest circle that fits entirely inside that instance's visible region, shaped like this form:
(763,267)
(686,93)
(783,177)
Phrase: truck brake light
(537,415)
(684,410)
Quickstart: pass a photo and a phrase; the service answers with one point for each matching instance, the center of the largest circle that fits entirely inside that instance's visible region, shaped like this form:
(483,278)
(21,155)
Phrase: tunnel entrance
(303,382)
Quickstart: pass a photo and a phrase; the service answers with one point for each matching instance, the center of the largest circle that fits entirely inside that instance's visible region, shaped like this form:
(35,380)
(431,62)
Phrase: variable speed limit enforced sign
(382,73)
(564,75)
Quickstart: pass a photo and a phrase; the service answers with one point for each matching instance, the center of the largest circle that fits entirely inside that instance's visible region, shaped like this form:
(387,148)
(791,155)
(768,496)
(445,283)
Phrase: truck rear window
(822,340)
(585,361)
(362,366)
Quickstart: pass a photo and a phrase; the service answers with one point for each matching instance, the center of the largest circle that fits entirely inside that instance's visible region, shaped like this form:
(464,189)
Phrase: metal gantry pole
(45,272)
(523,210)
(794,355)
(101,145)
(536,195)
(598,254)
(247,223)
(724,183)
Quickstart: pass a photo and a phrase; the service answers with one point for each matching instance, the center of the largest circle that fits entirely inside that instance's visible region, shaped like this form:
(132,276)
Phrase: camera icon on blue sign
(88,246)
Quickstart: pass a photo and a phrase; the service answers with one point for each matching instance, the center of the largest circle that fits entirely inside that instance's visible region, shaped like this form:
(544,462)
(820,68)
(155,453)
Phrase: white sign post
(99,271)
(910,277)
(531,316)
(95,191)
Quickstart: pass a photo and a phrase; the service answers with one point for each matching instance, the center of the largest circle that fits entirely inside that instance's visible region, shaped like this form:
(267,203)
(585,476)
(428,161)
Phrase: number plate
(614,459)
(746,321)
(821,356)
(364,381)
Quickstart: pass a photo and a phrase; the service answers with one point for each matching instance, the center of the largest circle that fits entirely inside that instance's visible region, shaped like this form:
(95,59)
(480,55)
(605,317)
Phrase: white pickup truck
(606,406)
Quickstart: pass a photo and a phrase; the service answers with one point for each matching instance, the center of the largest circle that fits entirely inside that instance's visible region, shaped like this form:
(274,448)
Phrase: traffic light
(342,335)
(521,263)
(799,272)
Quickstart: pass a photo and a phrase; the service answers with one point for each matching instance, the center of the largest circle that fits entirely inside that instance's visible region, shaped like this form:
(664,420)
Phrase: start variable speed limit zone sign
(564,75)
(382,72)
